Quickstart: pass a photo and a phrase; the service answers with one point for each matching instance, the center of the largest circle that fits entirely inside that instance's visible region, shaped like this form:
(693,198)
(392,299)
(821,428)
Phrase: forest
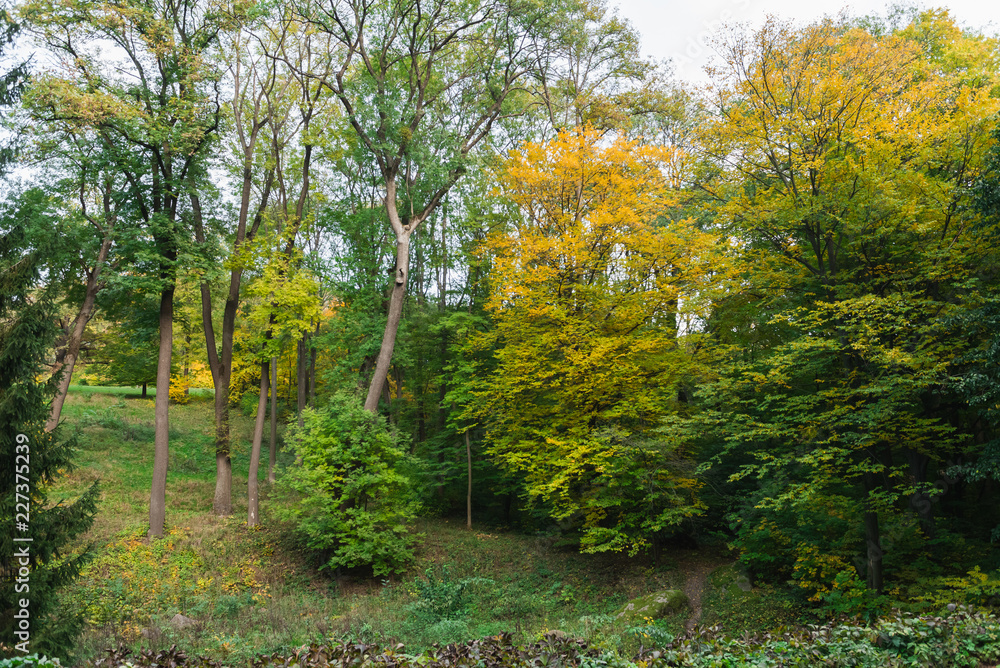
(333,326)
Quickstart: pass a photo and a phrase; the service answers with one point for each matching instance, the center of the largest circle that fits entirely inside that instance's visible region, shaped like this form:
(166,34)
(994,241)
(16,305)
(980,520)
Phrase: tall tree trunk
(253,504)
(468,494)
(364,372)
(443,287)
(387,395)
(222,502)
(443,386)
(80,322)
(186,372)
(872,538)
(920,500)
(161,448)
(392,322)
(273,449)
(421,421)
(72,352)
(221,362)
(312,367)
(300,379)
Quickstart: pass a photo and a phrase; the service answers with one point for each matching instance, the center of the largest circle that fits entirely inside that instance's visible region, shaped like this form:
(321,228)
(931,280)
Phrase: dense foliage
(483,259)
(589,286)
(353,498)
(960,639)
(36,569)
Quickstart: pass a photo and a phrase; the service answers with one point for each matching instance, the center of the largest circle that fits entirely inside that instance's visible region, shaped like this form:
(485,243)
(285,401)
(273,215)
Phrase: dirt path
(696,572)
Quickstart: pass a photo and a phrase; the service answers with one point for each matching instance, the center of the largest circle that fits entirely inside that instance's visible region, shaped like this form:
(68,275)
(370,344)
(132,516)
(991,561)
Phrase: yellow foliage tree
(595,294)
(844,158)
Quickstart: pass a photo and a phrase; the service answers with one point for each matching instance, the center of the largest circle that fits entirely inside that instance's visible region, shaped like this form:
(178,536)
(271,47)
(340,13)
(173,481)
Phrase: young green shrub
(442,597)
(347,495)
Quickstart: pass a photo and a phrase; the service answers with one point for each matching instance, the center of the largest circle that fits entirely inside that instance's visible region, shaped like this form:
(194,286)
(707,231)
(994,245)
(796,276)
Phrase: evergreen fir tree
(27,332)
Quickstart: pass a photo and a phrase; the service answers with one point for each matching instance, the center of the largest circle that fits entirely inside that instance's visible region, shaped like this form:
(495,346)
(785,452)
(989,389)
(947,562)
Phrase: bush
(441,598)
(180,390)
(349,499)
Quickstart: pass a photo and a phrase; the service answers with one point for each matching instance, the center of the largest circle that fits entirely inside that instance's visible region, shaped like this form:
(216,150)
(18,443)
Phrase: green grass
(763,608)
(131,392)
(257,591)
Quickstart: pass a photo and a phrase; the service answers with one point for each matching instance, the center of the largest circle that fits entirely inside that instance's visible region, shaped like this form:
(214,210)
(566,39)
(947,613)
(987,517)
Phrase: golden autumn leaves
(828,177)
(593,288)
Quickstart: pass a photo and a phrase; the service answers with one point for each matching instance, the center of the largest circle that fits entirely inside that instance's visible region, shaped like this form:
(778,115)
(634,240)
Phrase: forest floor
(696,569)
(255,591)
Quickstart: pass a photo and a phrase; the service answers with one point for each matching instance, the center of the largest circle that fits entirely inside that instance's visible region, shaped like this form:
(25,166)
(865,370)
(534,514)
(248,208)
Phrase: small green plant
(651,635)
(230,606)
(442,597)
(30,661)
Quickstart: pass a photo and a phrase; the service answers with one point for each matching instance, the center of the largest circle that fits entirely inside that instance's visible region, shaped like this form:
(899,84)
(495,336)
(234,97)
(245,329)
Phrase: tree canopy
(486,259)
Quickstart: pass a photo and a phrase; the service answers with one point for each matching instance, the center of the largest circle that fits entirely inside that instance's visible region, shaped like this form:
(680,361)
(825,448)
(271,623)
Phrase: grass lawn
(131,392)
(258,591)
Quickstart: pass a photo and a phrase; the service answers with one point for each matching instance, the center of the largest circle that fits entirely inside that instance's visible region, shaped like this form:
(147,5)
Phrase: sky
(678,29)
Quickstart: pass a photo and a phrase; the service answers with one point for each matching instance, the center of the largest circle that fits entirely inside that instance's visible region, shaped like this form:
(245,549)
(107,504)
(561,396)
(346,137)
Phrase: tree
(12,81)
(33,570)
(255,80)
(596,75)
(843,161)
(286,305)
(979,365)
(421,86)
(93,262)
(127,340)
(593,288)
(159,114)
(85,195)
(44,211)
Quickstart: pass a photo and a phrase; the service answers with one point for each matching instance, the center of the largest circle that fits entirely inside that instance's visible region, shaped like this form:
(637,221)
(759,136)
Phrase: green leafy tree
(979,365)
(422,87)
(155,107)
(33,459)
(126,347)
(286,305)
(843,166)
(351,497)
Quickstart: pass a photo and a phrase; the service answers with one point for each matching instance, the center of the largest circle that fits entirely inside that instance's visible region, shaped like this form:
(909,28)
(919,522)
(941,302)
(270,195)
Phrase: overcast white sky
(677,29)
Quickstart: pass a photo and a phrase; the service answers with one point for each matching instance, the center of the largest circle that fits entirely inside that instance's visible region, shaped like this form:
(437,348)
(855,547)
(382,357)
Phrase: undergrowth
(958,640)
(251,592)
(214,588)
